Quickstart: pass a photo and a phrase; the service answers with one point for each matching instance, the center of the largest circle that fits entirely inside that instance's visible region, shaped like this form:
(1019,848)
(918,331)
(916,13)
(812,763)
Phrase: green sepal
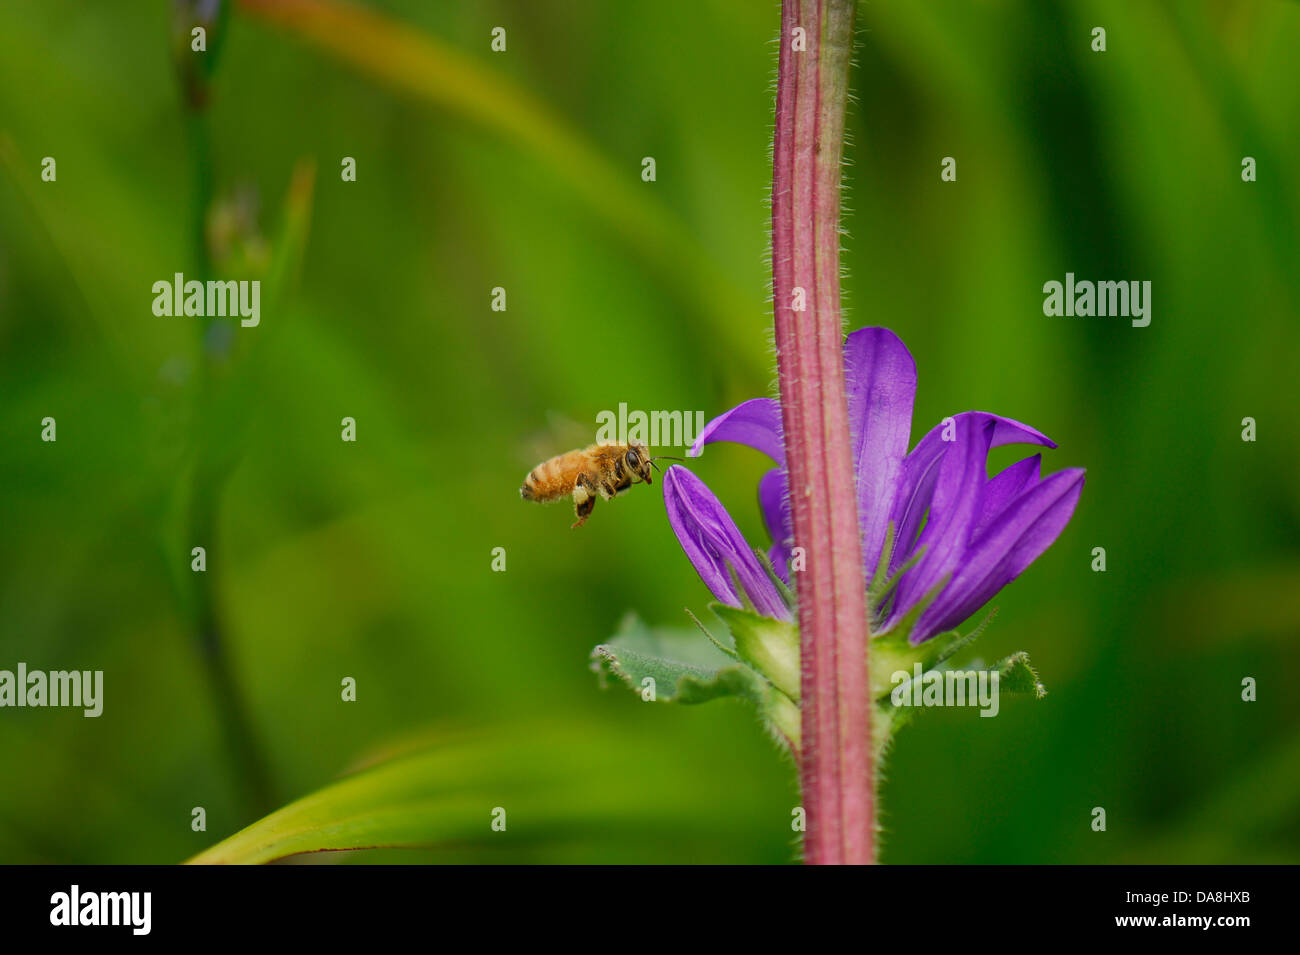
(881,584)
(728,646)
(949,643)
(1016,675)
(787,595)
(770,646)
(897,641)
(893,652)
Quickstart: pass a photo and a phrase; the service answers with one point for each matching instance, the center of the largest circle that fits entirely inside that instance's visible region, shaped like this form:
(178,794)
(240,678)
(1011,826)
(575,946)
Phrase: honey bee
(599,470)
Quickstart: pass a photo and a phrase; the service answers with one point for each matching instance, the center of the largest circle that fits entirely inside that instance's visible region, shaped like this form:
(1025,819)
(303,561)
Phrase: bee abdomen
(538,486)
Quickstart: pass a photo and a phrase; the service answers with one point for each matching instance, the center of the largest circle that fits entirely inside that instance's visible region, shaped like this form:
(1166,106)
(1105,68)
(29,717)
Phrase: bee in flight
(599,470)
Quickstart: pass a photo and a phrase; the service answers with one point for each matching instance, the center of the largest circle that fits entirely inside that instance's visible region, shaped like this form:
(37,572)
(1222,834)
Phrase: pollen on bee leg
(583,504)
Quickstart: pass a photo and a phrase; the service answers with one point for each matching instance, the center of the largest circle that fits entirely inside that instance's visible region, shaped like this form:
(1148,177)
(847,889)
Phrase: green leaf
(557,788)
(684,666)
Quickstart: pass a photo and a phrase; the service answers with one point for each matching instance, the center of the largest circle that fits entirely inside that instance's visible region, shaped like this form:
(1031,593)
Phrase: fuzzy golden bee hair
(599,470)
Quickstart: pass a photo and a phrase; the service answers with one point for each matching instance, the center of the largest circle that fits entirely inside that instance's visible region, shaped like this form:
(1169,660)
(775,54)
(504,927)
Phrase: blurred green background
(522,170)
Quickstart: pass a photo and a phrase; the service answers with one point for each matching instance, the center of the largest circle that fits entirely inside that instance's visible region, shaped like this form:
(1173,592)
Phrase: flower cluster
(939,536)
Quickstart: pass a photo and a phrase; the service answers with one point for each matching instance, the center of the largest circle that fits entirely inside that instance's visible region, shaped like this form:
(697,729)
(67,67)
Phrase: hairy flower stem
(835,760)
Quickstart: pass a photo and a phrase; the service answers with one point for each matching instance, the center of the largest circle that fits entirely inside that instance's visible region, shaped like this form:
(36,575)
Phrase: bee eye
(633,459)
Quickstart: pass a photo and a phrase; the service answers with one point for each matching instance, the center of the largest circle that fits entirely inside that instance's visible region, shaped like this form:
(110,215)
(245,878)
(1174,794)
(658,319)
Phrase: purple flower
(979,532)
(716,547)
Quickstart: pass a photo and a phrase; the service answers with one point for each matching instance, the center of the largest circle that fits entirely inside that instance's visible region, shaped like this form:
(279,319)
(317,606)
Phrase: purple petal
(954,508)
(881,378)
(774,502)
(756,422)
(921,468)
(1013,540)
(1004,487)
(712,541)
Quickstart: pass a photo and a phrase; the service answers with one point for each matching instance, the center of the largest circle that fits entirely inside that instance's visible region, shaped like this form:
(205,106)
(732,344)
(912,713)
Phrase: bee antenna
(668,457)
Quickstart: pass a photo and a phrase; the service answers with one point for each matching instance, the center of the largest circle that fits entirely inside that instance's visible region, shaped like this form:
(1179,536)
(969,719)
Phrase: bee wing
(560,434)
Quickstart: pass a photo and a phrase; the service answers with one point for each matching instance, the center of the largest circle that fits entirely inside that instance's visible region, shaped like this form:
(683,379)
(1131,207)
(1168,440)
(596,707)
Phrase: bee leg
(583,510)
(584,499)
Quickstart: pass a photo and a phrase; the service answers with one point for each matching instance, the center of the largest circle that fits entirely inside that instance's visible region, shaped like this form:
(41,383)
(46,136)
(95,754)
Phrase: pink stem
(835,761)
